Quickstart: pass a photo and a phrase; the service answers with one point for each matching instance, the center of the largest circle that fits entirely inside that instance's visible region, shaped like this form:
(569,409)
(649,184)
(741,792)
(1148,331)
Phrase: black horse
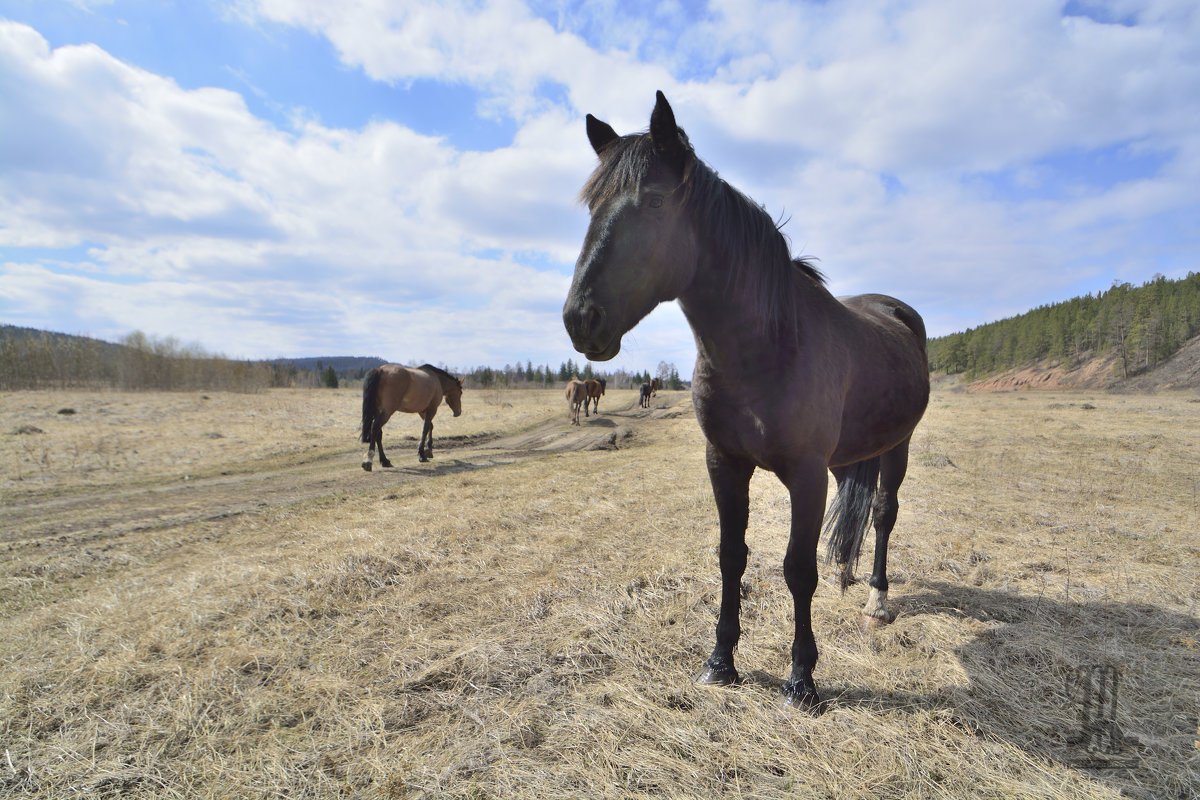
(787,377)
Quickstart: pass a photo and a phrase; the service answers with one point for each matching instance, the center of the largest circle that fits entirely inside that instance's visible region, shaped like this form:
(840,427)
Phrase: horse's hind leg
(383,459)
(375,439)
(369,458)
(893,466)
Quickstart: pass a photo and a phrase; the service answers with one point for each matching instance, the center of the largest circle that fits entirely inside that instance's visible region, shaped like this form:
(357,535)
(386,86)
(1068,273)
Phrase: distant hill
(36,359)
(16,333)
(1135,337)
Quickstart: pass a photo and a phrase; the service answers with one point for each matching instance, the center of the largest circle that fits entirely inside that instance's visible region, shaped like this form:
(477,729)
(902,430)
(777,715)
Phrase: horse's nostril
(583,320)
(593,319)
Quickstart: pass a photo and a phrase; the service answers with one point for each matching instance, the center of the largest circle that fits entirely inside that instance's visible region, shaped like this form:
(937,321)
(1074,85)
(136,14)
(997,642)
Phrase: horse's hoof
(422,459)
(802,698)
(871,622)
(385,464)
(717,676)
(367,466)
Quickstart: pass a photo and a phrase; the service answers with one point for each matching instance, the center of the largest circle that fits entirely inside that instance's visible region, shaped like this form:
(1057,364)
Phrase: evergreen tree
(1142,326)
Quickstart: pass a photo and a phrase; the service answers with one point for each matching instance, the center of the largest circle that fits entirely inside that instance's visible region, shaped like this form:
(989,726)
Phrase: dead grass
(124,438)
(530,630)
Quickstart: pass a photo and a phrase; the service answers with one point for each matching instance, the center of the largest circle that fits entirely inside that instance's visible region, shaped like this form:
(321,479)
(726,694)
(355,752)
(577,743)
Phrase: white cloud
(886,131)
(204,215)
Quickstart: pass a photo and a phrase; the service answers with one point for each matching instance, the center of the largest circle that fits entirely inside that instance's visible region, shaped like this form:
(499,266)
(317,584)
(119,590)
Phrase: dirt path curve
(93,513)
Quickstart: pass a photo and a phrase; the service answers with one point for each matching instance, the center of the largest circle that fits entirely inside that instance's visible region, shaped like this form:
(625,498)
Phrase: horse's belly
(767,437)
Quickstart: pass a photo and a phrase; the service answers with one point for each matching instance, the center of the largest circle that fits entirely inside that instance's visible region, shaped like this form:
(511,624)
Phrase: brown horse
(576,394)
(595,390)
(787,377)
(654,387)
(420,390)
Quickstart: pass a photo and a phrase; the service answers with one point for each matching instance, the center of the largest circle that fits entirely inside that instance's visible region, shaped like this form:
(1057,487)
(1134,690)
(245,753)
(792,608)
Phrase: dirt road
(94,513)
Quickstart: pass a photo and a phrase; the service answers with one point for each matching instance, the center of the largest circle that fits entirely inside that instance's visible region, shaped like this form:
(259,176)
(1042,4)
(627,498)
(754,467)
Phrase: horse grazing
(654,384)
(391,388)
(787,377)
(644,396)
(595,390)
(576,396)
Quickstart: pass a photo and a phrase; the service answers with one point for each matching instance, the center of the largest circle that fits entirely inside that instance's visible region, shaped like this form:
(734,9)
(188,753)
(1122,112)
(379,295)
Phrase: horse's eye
(656,201)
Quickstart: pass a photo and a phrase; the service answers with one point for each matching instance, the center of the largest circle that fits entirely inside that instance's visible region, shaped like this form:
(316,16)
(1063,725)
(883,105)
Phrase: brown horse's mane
(441,373)
(742,233)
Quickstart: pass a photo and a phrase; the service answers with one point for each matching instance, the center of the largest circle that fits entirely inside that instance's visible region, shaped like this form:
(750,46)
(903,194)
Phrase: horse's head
(641,246)
(453,391)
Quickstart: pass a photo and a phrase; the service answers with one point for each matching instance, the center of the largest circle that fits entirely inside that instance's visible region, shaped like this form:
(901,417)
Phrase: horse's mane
(742,233)
(441,373)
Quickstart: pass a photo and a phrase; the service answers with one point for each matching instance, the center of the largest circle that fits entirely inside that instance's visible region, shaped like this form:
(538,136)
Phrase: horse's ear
(669,141)
(600,134)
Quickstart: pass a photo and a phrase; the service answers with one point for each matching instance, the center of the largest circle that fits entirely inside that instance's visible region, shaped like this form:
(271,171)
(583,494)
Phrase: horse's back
(406,389)
(888,310)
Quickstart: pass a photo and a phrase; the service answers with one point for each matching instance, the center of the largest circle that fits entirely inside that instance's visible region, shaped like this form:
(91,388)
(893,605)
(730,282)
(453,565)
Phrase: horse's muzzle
(585,324)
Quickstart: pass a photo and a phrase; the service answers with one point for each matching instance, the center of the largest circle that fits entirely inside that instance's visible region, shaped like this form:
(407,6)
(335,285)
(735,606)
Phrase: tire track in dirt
(93,513)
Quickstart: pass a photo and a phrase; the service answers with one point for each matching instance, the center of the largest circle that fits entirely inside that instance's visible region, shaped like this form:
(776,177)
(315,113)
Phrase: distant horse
(595,390)
(787,377)
(654,387)
(576,396)
(391,388)
(644,397)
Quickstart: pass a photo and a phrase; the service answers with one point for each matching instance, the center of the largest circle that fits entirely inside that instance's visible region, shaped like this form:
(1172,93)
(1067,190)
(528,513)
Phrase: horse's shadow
(443,466)
(1091,683)
(1107,686)
(597,421)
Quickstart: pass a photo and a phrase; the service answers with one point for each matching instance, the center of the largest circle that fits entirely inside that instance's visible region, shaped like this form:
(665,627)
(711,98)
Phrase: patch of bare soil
(598,431)
(1180,371)
(97,512)
(1098,373)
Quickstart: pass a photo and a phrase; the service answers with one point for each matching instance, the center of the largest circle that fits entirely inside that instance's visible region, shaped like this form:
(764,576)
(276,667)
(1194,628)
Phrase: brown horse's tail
(849,514)
(370,390)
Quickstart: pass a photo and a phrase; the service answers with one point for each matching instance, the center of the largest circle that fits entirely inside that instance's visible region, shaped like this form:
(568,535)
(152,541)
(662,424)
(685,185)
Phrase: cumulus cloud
(926,148)
(210,215)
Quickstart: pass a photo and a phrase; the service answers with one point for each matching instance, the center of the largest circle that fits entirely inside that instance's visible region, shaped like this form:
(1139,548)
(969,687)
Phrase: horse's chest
(763,432)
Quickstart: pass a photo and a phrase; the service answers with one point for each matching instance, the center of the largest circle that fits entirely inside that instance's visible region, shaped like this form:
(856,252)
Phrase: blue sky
(272,178)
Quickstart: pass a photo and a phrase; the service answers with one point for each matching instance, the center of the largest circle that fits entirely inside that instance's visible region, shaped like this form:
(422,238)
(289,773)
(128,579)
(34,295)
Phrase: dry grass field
(205,596)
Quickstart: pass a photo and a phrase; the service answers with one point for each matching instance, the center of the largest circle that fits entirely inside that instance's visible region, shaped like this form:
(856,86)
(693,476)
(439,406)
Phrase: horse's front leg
(731,488)
(806,481)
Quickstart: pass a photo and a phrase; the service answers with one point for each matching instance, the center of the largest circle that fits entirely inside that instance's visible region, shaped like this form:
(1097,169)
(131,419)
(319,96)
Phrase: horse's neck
(723,318)
(731,334)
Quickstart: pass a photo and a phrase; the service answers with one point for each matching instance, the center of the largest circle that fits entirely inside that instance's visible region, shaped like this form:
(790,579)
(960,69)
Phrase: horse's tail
(370,389)
(849,514)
